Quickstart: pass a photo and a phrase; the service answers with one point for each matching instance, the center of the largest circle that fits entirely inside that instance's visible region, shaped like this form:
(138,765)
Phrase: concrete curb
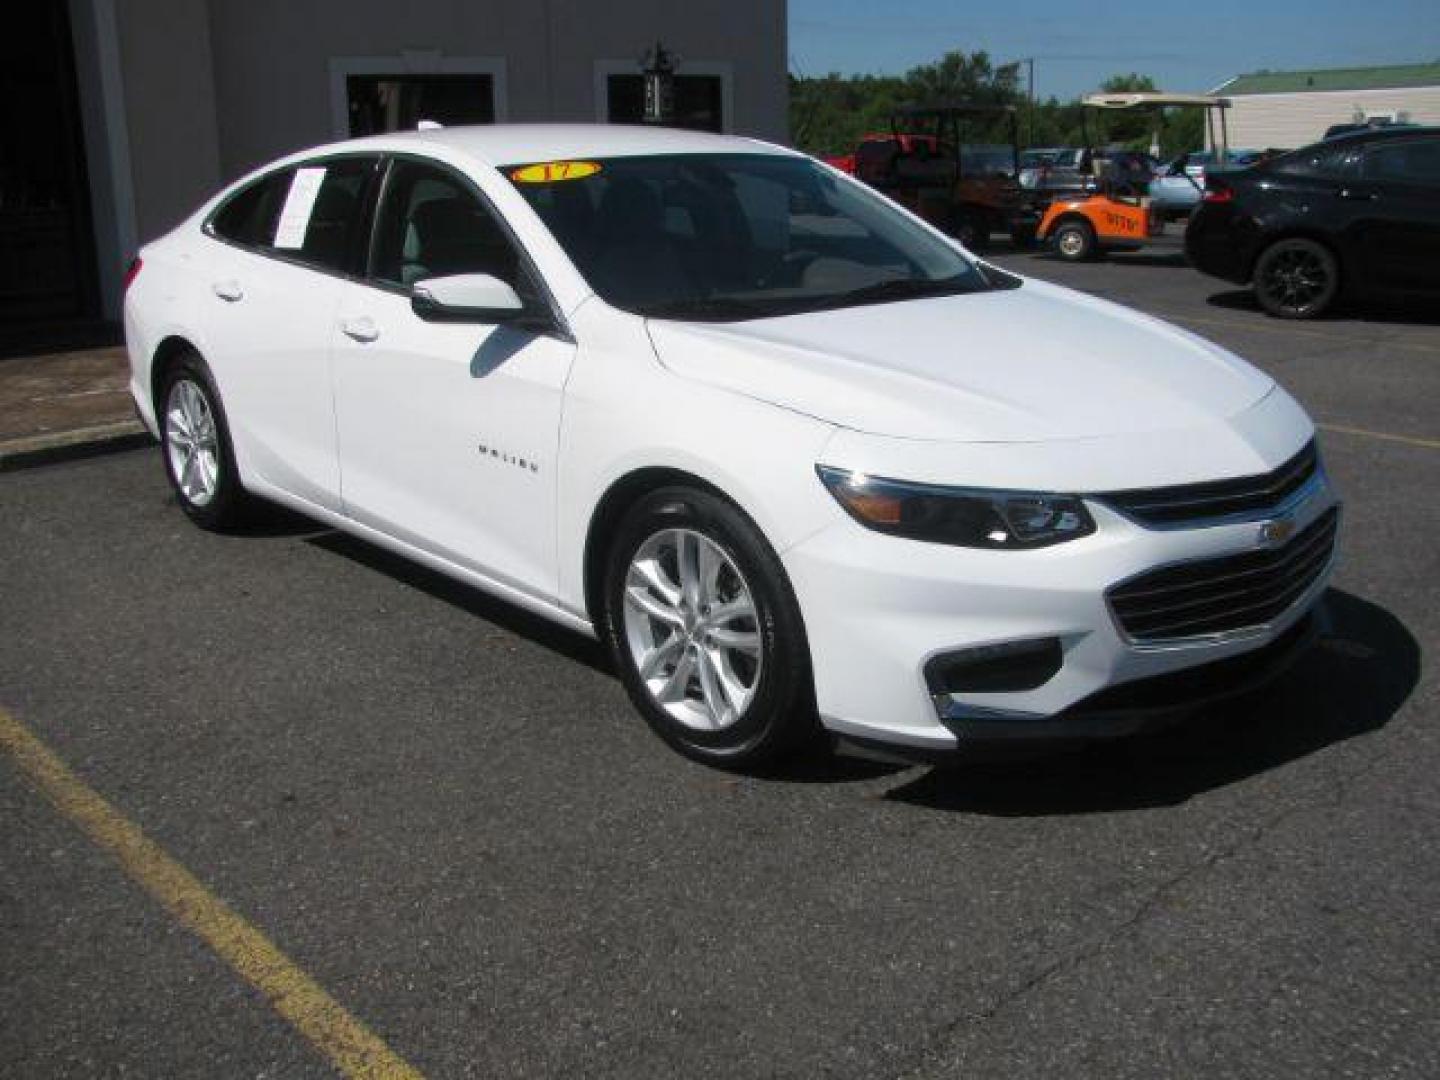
(84,442)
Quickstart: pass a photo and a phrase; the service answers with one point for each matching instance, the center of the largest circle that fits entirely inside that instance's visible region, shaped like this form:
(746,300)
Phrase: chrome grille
(1192,504)
(1226,594)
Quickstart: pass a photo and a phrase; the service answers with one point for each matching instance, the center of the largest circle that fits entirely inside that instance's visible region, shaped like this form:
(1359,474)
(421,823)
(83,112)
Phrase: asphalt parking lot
(446,814)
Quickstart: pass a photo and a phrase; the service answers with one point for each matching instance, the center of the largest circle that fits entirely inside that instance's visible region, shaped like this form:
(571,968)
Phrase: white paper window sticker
(295,216)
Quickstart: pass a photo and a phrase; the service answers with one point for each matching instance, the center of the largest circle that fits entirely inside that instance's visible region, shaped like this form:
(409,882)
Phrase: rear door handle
(361,329)
(229,291)
(1358,195)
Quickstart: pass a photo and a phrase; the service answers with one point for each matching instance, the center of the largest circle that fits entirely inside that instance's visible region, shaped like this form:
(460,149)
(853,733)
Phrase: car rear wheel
(1075,241)
(195,439)
(971,228)
(706,632)
(1296,278)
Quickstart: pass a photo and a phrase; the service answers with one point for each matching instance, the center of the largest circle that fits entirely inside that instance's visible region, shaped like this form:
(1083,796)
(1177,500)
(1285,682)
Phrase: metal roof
(1393,77)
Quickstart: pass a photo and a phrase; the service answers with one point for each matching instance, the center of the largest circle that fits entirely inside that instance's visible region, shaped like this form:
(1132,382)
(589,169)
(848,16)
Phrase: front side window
(431,224)
(1411,162)
(736,236)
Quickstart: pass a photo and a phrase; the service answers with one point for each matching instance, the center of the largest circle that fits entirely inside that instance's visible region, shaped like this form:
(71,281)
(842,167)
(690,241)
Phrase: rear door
(1398,231)
(275,276)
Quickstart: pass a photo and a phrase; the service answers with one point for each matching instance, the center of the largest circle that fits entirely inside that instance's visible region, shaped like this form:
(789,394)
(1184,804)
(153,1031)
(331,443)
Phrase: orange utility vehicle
(1117,214)
(956,165)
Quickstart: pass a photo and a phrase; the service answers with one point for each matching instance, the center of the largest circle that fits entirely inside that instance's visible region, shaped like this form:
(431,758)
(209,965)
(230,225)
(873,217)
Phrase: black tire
(227,504)
(780,716)
(1074,241)
(971,229)
(1296,278)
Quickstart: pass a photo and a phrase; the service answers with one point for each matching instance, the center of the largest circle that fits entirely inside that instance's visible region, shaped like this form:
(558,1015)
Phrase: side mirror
(479,298)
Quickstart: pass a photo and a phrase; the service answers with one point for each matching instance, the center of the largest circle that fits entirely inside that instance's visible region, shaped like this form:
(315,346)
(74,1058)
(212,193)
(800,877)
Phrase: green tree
(958,77)
(829,114)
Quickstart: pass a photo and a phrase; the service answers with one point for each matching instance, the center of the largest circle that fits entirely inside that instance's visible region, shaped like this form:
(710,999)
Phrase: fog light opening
(1008,667)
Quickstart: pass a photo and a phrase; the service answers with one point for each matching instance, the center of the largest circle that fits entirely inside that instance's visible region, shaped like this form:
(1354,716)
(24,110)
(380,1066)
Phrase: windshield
(725,237)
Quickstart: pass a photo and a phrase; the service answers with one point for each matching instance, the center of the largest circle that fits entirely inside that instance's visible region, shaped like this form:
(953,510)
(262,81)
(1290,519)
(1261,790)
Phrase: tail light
(1216,192)
(132,271)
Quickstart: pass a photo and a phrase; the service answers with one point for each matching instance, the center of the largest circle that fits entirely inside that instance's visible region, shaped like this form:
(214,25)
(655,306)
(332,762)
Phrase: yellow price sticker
(547,172)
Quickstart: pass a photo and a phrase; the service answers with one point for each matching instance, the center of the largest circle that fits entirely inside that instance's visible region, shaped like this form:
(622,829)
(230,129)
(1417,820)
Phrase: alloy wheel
(691,629)
(1296,278)
(192,442)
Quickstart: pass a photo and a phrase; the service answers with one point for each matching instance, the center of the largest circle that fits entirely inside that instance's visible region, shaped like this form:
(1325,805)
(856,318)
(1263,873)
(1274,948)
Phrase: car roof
(1375,134)
(513,144)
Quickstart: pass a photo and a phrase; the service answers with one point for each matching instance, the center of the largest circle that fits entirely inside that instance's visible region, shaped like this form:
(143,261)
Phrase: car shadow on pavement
(1413,314)
(1352,682)
(517,620)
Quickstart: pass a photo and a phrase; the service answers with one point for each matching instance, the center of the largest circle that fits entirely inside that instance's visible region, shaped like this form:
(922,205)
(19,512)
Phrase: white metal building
(1289,109)
(117,117)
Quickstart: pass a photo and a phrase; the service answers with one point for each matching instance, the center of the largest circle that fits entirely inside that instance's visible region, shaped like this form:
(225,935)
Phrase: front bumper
(878,610)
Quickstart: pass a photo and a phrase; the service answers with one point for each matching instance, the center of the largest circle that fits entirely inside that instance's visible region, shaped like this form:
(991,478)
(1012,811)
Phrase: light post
(657,68)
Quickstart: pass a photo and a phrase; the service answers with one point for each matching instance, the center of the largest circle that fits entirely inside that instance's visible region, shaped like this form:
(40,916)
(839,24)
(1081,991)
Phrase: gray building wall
(240,82)
(200,91)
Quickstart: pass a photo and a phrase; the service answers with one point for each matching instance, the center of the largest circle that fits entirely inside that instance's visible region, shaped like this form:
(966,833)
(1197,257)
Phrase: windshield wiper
(719,308)
(901,289)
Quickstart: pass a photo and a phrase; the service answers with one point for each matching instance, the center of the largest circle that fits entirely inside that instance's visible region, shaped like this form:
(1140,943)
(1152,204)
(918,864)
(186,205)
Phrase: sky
(1186,47)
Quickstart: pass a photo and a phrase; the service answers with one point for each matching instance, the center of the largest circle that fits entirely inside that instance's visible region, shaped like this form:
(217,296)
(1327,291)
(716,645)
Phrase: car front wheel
(706,632)
(1296,278)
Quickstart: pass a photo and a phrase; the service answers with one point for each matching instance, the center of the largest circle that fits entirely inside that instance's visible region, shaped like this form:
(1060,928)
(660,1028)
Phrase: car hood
(1032,364)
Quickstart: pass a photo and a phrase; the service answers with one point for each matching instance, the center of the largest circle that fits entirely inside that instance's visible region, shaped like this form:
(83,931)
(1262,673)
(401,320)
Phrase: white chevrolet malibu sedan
(799,460)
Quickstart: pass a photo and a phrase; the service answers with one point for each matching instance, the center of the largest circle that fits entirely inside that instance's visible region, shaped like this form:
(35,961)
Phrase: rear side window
(1415,162)
(310,213)
(320,221)
(1336,162)
(250,215)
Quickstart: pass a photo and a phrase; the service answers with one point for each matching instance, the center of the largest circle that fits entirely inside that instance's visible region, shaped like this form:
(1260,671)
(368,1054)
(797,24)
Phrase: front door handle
(362,329)
(229,291)
(1358,195)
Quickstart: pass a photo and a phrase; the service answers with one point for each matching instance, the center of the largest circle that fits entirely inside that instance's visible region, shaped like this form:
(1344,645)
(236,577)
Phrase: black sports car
(1356,216)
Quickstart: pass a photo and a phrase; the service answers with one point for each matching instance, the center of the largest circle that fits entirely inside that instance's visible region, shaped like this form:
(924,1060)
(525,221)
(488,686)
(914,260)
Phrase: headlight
(969,517)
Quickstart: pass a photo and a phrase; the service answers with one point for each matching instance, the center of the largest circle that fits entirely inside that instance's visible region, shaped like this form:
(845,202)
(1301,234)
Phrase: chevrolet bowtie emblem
(1277,532)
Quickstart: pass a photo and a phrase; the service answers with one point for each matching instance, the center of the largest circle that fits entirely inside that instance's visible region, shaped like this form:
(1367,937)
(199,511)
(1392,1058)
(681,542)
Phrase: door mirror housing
(478,298)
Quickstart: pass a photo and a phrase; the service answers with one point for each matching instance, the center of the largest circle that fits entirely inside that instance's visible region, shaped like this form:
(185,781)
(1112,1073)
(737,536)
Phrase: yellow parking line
(351,1047)
(1365,433)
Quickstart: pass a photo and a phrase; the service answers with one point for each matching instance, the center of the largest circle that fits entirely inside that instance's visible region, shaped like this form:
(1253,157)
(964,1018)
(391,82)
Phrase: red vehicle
(906,140)
(932,162)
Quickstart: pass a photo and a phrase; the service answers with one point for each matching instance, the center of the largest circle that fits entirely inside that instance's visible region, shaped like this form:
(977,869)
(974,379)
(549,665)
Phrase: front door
(1398,220)
(448,431)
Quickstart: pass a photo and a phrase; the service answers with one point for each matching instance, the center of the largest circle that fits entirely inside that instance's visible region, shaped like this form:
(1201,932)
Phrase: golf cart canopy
(1155,101)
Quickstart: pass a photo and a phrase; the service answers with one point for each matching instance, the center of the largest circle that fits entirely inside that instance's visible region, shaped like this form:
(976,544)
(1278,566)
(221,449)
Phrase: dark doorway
(47,255)
(698,101)
(380,103)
